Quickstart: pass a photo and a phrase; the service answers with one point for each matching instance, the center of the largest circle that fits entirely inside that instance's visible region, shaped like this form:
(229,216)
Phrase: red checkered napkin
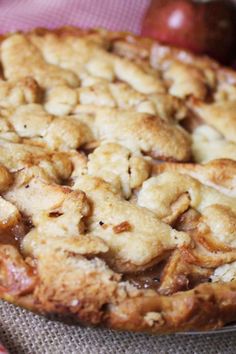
(124,15)
(3,350)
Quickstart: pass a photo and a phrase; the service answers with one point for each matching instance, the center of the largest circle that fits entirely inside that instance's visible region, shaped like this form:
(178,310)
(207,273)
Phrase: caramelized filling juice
(13,235)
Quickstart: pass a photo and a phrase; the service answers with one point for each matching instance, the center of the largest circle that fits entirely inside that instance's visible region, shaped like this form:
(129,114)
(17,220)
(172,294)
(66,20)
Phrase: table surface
(25,333)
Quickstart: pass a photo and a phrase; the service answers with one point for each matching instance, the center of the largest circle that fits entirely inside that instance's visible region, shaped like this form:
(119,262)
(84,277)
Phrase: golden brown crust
(206,307)
(91,227)
(217,173)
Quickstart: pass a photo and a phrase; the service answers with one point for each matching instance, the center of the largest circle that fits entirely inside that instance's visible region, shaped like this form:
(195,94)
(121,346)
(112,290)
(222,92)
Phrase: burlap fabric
(26,333)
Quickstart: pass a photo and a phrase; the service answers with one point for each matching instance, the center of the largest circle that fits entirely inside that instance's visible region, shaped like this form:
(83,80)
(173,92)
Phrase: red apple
(201,26)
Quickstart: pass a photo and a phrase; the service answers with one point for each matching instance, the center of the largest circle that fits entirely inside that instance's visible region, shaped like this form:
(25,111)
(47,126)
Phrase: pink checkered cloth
(124,15)
(118,15)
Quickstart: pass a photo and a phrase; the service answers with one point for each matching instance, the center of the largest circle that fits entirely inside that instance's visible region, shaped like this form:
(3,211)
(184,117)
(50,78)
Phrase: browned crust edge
(206,307)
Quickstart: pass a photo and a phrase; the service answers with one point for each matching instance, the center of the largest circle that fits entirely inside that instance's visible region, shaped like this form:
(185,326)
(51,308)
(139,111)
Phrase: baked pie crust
(117,181)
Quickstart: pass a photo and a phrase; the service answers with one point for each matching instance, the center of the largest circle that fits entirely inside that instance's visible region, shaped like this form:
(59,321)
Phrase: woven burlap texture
(26,333)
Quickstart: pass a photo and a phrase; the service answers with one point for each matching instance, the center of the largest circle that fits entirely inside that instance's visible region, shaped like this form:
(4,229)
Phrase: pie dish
(117,181)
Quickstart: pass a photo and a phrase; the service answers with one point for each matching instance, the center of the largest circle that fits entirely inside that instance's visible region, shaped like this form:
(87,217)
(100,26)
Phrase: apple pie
(117,181)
